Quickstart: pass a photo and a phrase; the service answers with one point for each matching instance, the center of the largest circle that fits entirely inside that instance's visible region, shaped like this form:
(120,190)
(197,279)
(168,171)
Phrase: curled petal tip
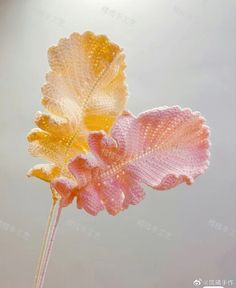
(44,172)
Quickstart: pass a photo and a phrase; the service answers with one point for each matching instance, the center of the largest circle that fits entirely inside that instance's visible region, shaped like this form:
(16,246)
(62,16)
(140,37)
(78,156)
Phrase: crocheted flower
(161,148)
(98,154)
(85,91)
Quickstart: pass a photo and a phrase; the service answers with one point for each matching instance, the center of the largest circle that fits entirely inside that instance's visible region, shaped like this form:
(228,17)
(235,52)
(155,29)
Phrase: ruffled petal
(103,147)
(89,200)
(85,90)
(66,188)
(81,168)
(45,172)
(174,144)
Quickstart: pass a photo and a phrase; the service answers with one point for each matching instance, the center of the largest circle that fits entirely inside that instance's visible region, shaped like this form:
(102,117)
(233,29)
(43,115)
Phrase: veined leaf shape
(85,91)
(161,148)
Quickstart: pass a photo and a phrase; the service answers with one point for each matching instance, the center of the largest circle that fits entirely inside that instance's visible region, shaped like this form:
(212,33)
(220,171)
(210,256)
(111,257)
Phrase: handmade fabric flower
(97,153)
(85,91)
(160,148)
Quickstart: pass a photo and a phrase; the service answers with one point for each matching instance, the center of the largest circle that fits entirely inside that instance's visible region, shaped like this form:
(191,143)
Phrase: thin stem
(44,242)
(49,248)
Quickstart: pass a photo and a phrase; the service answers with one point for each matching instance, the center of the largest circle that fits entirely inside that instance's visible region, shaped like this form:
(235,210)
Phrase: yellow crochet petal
(98,122)
(45,172)
(85,91)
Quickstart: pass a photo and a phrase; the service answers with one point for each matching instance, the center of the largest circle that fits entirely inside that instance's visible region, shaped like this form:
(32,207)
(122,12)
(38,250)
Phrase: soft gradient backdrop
(177,52)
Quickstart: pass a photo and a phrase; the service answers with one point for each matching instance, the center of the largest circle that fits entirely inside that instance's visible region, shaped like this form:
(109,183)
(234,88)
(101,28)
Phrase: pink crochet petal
(103,147)
(168,142)
(171,181)
(66,188)
(120,131)
(161,148)
(111,195)
(89,199)
(81,167)
(133,191)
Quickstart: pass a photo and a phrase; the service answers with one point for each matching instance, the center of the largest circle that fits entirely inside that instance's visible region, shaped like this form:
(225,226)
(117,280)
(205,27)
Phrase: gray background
(177,52)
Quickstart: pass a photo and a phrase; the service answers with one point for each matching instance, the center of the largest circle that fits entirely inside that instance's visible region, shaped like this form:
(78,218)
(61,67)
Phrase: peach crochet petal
(111,194)
(160,148)
(89,200)
(120,131)
(81,168)
(66,188)
(133,191)
(102,146)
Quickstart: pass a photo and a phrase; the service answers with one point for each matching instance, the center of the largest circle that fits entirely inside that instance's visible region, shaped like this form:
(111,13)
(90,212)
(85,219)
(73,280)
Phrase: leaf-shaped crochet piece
(85,91)
(160,148)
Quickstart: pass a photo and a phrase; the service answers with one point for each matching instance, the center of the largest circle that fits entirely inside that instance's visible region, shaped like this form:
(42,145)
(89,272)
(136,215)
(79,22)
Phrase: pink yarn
(161,148)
